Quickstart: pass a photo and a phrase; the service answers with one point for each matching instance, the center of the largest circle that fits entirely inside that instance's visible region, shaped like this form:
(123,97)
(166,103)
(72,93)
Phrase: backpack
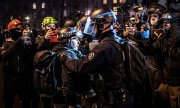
(135,65)
(171,71)
(136,73)
(45,80)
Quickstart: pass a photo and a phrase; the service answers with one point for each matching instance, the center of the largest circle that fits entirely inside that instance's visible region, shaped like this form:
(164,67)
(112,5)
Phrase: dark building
(33,11)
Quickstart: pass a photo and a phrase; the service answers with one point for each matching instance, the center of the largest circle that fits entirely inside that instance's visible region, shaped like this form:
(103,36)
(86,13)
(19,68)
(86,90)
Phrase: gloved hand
(23,41)
(26,41)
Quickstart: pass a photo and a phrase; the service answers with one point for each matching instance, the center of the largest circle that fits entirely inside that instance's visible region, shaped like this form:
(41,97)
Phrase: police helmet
(103,15)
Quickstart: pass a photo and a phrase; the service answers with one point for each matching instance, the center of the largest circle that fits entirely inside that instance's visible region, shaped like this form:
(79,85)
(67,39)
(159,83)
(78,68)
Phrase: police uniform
(106,58)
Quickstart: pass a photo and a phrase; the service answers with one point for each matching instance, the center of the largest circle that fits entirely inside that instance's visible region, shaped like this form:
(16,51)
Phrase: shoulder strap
(121,46)
(127,60)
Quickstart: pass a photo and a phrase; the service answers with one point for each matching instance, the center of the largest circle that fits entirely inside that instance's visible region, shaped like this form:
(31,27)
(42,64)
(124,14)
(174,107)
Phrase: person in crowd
(157,49)
(154,45)
(167,94)
(17,56)
(69,44)
(47,39)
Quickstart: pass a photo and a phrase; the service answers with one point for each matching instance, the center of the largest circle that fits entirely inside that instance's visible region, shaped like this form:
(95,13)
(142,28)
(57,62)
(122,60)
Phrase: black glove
(23,41)
(26,41)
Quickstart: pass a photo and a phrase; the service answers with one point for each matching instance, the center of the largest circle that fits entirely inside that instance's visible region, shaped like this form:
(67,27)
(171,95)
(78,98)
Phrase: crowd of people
(87,62)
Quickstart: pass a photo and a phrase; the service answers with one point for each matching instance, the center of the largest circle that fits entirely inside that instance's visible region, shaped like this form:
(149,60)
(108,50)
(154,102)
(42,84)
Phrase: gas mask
(154,18)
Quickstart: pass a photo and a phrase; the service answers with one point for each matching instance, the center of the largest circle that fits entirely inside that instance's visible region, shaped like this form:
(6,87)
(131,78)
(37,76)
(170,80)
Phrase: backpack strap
(126,49)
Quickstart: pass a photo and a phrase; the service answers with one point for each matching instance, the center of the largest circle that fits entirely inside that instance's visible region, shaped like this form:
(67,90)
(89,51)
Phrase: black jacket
(103,57)
(69,84)
(18,59)
(106,59)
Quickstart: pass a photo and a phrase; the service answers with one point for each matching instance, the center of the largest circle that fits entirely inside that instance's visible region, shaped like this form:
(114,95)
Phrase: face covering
(15,34)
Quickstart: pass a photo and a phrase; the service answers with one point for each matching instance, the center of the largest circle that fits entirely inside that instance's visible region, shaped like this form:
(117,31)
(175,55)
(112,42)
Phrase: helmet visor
(89,27)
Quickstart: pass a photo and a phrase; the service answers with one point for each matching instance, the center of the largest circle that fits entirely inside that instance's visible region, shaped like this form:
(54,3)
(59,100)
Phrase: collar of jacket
(110,36)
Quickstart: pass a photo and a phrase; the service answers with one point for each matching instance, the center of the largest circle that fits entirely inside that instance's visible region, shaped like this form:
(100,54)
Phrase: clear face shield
(95,26)
(89,27)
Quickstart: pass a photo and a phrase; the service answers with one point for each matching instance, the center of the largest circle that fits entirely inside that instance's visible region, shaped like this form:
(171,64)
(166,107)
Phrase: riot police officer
(105,61)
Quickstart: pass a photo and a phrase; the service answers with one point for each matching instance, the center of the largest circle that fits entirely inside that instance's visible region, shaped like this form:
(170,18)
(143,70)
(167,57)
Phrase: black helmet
(103,15)
(97,18)
(156,8)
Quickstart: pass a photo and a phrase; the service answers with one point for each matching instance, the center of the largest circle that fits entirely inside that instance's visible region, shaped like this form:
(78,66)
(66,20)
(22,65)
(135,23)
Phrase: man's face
(50,26)
(154,19)
(130,30)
